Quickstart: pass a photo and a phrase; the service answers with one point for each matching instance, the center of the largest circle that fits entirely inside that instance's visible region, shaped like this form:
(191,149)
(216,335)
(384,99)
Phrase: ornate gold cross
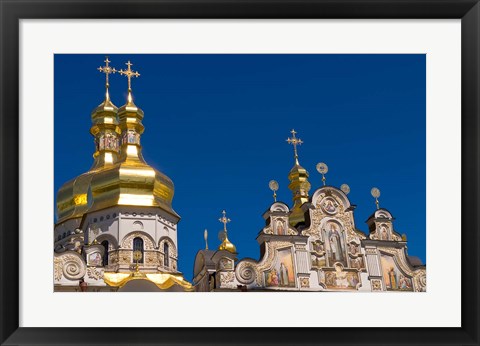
(224,219)
(294,141)
(129,74)
(107,69)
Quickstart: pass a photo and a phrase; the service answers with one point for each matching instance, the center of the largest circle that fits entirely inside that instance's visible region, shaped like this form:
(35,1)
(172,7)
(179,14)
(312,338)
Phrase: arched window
(165,255)
(105,254)
(138,245)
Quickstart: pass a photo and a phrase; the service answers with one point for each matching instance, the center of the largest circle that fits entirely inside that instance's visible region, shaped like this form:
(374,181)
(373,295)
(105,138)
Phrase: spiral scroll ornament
(421,282)
(73,268)
(245,273)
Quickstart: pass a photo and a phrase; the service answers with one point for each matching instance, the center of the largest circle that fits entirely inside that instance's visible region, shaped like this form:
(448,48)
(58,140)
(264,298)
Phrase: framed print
(181,173)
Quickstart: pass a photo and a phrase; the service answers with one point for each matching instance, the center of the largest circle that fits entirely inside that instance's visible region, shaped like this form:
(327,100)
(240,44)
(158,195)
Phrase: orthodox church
(117,230)
(314,246)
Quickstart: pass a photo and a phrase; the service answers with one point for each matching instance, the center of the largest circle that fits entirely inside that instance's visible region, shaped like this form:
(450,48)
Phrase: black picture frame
(13,11)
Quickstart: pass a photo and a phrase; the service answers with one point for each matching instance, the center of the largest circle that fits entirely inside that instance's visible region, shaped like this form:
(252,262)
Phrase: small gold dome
(228,246)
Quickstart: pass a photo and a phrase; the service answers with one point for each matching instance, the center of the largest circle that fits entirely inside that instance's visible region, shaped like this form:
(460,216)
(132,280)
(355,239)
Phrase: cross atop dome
(107,69)
(294,141)
(129,73)
(224,219)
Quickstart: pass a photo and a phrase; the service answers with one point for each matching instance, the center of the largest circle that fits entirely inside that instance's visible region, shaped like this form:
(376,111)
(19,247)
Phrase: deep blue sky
(217,125)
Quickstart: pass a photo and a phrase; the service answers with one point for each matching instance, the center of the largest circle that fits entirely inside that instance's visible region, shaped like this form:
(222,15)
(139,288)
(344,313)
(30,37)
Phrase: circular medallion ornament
(273,185)
(345,188)
(137,255)
(322,168)
(329,205)
(375,192)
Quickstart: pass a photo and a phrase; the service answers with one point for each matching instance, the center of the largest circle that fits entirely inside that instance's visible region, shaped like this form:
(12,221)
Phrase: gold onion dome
(119,174)
(299,184)
(226,243)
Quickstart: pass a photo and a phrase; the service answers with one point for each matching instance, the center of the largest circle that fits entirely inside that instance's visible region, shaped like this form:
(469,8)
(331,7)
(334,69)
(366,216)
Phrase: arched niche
(335,242)
(329,198)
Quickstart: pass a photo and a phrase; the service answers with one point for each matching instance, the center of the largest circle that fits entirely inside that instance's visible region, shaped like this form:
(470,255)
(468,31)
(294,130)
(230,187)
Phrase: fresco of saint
(282,273)
(384,234)
(95,259)
(280,229)
(394,279)
(329,207)
(336,252)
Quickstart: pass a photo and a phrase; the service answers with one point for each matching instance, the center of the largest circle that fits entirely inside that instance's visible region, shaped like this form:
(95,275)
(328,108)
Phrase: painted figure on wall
(384,234)
(404,283)
(336,249)
(280,228)
(357,263)
(340,279)
(95,259)
(394,279)
(353,248)
(272,278)
(329,206)
(282,273)
(131,137)
(318,261)
(317,246)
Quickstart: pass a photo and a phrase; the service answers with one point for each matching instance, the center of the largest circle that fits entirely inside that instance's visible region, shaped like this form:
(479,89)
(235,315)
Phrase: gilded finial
(205,236)
(129,73)
(322,168)
(137,256)
(294,141)
(376,193)
(224,219)
(226,244)
(107,69)
(273,185)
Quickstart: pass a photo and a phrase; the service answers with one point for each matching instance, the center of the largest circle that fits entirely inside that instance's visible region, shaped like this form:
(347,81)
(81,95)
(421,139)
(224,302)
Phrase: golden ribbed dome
(119,174)
(299,184)
(72,197)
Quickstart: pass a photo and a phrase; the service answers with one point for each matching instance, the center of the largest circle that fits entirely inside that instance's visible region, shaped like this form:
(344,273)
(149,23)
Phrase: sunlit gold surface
(161,280)
(116,177)
(299,184)
(226,244)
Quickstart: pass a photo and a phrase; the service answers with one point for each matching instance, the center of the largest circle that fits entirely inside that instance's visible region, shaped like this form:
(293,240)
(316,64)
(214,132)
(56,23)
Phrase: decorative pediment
(380,225)
(330,200)
(277,220)
(251,272)
(397,274)
(279,207)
